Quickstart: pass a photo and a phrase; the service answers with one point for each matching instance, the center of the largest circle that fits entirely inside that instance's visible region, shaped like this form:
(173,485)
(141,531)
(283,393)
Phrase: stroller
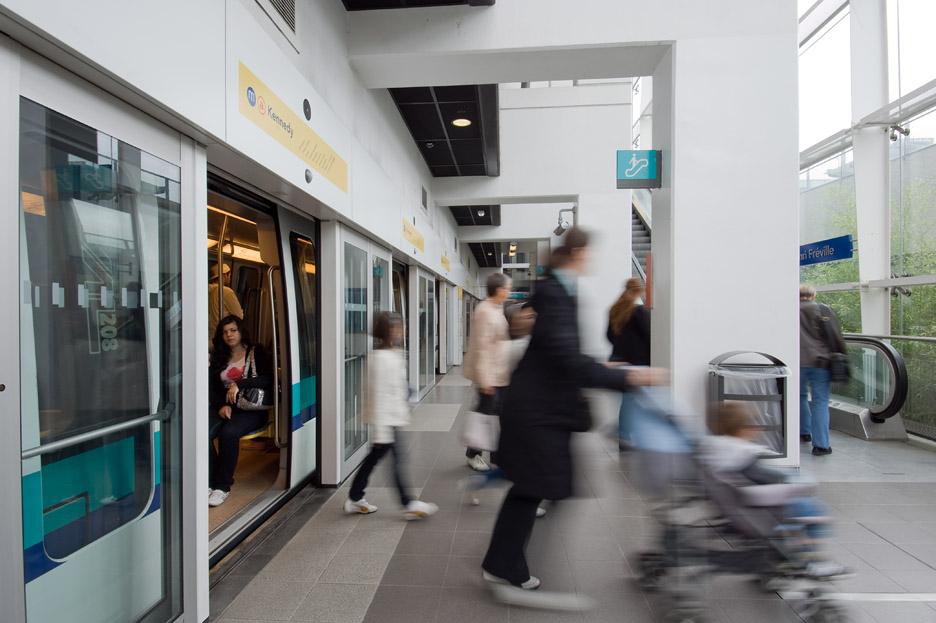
(753,537)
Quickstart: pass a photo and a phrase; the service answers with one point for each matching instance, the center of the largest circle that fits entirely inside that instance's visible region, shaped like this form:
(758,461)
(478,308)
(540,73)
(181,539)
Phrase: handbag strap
(251,363)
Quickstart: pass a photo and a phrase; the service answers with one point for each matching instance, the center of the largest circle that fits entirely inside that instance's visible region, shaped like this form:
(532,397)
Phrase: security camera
(561,228)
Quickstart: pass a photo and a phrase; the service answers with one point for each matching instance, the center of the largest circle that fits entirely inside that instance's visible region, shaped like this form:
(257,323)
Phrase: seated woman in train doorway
(236,364)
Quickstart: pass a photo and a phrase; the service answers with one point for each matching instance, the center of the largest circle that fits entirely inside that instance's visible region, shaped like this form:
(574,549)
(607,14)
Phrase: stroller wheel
(686,615)
(651,571)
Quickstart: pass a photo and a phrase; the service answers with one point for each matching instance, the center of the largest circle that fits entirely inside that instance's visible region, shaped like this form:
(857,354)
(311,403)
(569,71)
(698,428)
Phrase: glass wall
(824,82)
(911,45)
(356,331)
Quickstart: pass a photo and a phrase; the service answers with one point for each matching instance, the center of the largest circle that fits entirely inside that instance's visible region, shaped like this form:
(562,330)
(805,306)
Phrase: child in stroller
(773,530)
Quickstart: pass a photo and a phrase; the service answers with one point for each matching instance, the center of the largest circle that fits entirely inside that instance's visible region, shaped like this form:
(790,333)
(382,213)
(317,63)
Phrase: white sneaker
(529,585)
(477,463)
(540,511)
(361,506)
(217,497)
(418,509)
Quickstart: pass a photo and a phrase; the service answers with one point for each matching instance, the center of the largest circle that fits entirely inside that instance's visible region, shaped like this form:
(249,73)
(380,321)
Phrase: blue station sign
(638,168)
(826,250)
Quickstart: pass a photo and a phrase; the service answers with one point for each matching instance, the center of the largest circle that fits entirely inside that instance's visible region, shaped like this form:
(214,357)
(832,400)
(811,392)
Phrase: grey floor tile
(887,557)
(476,522)
(899,611)
(853,533)
(355,569)
(627,507)
(405,570)
(442,521)
(372,541)
(426,543)
(269,601)
(251,565)
(917,513)
(463,571)
(584,546)
(296,563)
(528,615)
(336,603)
(918,581)
(224,595)
(748,610)
(634,527)
(470,604)
(470,543)
(901,533)
(617,608)
(596,577)
(868,581)
(925,552)
(869,513)
(404,604)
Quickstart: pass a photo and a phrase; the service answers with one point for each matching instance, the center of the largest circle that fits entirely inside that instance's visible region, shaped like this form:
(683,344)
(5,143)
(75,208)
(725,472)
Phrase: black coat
(217,394)
(541,407)
(632,344)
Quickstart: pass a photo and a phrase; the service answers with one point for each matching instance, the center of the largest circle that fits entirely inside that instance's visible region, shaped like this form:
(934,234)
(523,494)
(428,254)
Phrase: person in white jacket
(386,408)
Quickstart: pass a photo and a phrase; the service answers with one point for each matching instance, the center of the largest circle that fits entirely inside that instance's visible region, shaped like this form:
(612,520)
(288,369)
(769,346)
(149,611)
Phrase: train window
(101,345)
(305,267)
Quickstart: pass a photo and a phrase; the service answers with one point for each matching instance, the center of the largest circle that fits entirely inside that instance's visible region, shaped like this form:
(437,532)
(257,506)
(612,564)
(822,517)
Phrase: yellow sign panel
(270,114)
(412,235)
(459,293)
(446,264)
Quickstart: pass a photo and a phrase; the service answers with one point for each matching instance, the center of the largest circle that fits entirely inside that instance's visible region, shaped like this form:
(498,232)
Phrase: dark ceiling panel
(444,171)
(413,95)
(468,152)
(367,5)
(437,155)
(461,93)
(423,122)
(476,215)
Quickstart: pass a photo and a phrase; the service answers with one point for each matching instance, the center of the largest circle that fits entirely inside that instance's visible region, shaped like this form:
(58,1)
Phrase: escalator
(868,405)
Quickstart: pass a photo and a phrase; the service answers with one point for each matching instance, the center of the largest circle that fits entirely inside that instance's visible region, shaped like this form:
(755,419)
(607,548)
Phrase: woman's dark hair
(221,352)
(383,325)
(576,238)
(623,308)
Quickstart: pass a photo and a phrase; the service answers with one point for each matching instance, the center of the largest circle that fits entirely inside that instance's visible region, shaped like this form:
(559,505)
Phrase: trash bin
(761,384)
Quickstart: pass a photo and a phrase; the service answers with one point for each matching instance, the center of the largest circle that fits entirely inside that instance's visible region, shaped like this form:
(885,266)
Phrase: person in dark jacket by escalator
(542,409)
(629,334)
(814,375)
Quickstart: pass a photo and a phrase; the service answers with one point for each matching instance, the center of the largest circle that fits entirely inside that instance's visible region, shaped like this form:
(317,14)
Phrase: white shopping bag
(480,431)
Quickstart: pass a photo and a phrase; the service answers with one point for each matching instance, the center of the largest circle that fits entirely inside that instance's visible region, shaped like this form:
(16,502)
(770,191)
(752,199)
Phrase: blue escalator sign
(638,168)
(826,250)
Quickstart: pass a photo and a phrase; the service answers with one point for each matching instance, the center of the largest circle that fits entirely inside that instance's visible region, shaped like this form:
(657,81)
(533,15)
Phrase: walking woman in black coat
(542,409)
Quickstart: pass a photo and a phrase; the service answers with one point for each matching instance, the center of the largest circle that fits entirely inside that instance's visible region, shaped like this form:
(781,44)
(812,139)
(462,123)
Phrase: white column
(725,223)
(606,216)
(332,353)
(868,21)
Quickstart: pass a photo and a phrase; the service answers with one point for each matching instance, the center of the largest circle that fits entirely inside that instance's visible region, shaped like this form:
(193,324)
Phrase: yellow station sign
(412,235)
(259,104)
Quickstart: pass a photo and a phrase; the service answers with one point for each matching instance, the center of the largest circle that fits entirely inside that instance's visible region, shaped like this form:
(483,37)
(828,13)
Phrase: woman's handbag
(480,431)
(252,398)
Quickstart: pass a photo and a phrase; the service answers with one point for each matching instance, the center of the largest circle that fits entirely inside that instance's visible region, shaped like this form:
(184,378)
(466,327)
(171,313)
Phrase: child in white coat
(385,409)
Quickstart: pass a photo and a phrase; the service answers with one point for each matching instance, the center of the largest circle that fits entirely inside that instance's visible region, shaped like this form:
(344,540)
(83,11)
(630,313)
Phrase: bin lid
(770,369)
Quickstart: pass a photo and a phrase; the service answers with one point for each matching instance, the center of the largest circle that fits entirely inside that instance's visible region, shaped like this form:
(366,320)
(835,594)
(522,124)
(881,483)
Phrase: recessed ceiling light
(490,253)
(461,122)
(430,145)
(480,212)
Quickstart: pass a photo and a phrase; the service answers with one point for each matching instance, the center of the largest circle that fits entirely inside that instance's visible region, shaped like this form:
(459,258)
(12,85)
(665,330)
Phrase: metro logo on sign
(638,168)
(251,96)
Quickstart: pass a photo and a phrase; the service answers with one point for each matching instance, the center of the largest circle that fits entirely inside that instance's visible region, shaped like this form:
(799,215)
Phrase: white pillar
(868,21)
(606,216)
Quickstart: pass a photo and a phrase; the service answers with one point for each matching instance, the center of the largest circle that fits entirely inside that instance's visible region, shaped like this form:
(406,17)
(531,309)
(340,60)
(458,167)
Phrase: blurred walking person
(543,403)
(629,334)
(486,360)
(385,410)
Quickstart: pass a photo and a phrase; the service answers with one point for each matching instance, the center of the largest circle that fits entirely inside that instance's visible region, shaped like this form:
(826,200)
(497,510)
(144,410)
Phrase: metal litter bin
(761,384)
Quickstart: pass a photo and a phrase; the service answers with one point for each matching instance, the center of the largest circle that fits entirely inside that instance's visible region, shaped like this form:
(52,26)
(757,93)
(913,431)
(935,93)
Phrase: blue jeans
(625,414)
(814,415)
(804,508)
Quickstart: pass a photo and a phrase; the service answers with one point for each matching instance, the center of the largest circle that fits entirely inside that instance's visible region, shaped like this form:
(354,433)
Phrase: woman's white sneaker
(529,585)
(418,509)
(361,506)
(217,497)
(477,463)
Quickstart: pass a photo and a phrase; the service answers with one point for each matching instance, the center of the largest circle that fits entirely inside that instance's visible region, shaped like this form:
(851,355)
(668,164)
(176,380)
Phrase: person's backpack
(837,364)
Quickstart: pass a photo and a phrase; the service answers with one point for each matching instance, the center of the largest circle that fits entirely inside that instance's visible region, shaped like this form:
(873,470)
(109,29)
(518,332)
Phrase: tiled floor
(326,566)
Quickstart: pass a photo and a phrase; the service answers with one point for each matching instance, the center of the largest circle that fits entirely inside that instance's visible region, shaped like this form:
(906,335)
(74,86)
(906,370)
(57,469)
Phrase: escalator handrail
(901,379)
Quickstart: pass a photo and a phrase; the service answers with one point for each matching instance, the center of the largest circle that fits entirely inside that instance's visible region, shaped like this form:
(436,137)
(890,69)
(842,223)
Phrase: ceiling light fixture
(490,253)
(461,122)
(430,145)
(480,212)
(513,246)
